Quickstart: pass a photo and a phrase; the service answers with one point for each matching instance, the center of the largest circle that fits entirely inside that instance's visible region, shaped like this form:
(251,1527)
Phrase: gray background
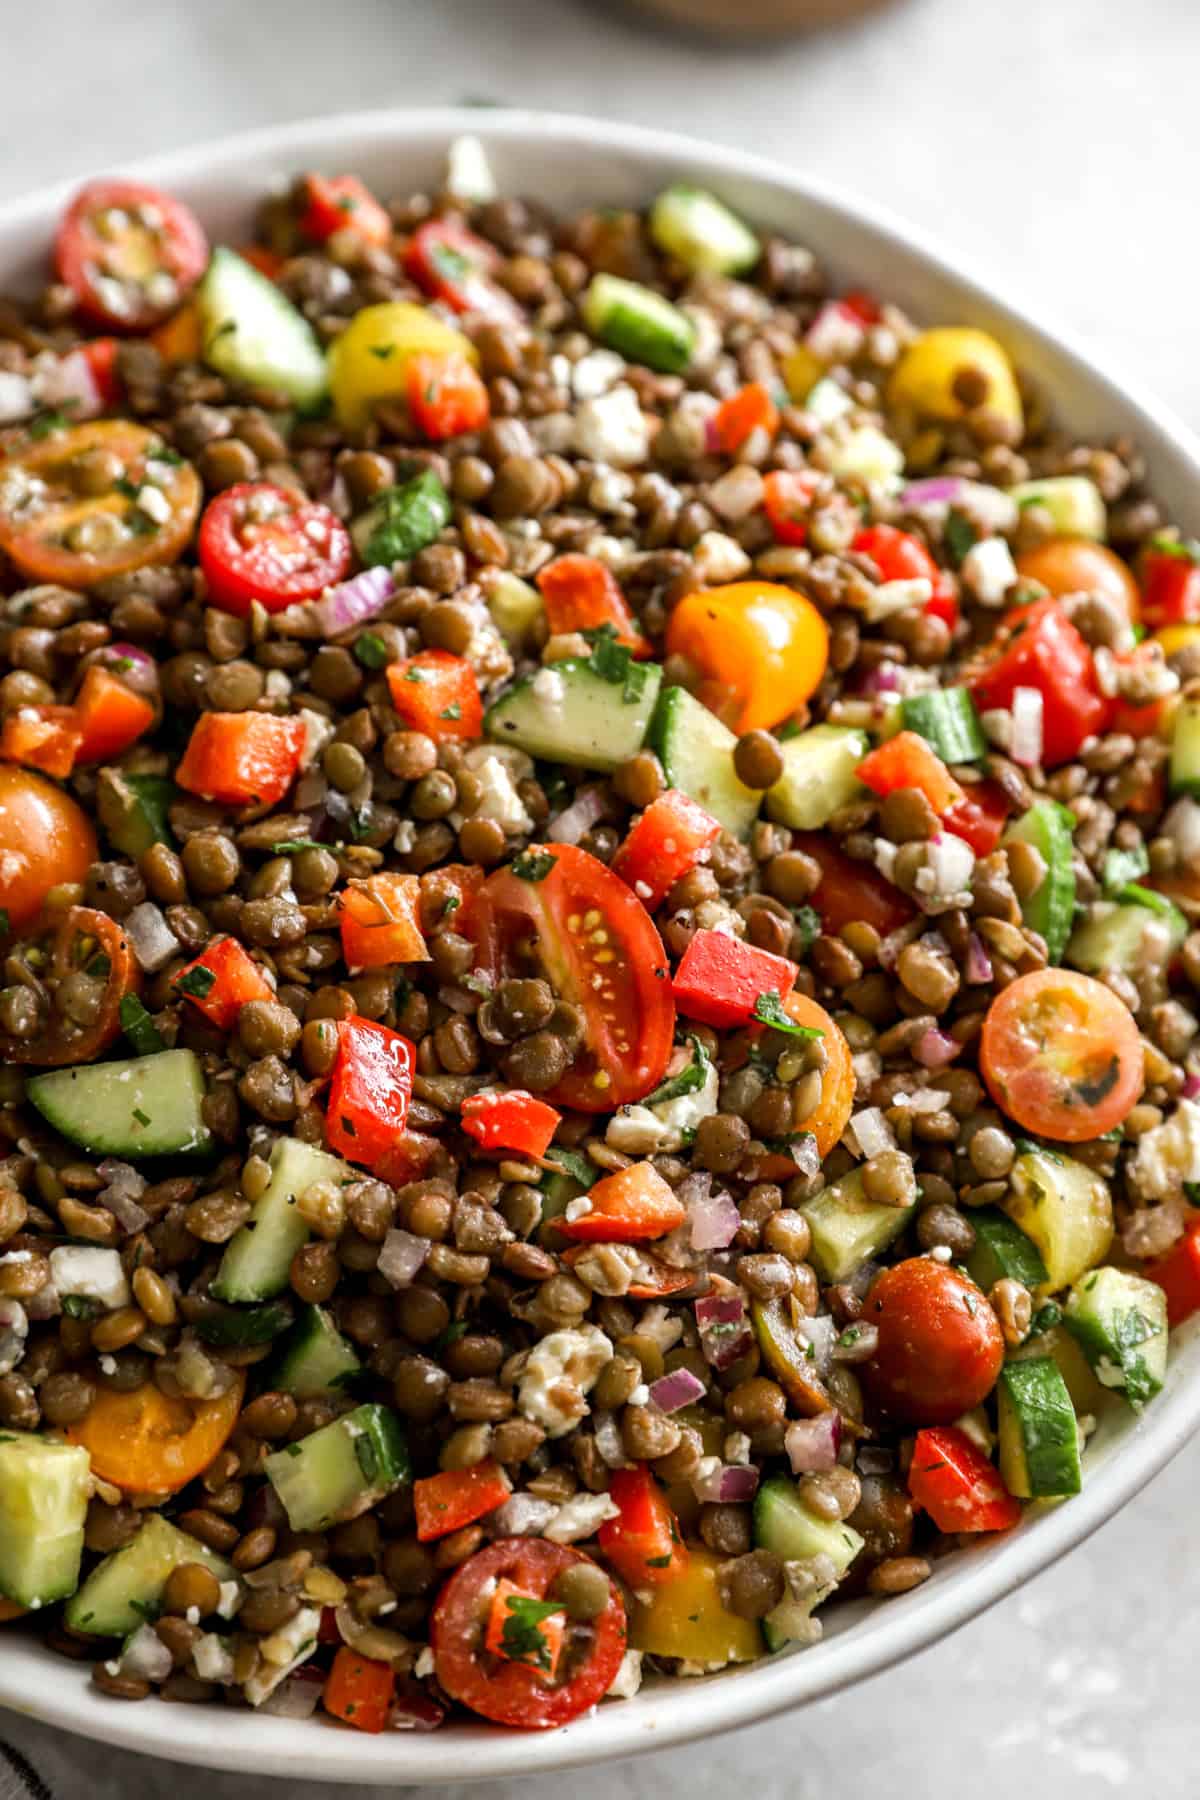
(1054,142)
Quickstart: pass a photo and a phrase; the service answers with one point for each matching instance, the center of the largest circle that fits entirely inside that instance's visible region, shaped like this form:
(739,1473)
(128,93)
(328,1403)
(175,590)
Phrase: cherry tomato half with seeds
(265,543)
(598,947)
(1061,1055)
(514,1693)
(940,1346)
(86,974)
(129,253)
(93,501)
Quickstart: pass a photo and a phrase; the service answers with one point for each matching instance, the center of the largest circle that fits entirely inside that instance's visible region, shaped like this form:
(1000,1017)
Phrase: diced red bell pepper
(627,1207)
(450,263)
(663,845)
(457,1497)
(379,921)
(906,761)
(343,203)
(958,1487)
(268,262)
(720,978)
(100,358)
(42,737)
(369,1091)
(1149,719)
(750,409)
(643,1544)
(242,759)
(513,1120)
(359,1690)
(787,502)
(221,980)
(1037,646)
(1178,1275)
(111,716)
(437,693)
(581,594)
(538,1643)
(1170,583)
(864,306)
(850,889)
(979,817)
(446,396)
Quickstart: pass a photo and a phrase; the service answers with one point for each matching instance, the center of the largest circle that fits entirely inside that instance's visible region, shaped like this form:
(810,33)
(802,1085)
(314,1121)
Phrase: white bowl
(572,162)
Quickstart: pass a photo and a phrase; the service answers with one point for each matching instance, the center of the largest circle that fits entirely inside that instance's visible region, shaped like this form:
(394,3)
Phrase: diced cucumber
(848,1229)
(866,454)
(699,230)
(515,606)
(1123,867)
(147,1106)
(570,713)
(1003,1252)
(126,1588)
(314,1358)
(1127,937)
(784,1525)
(696,752)
(1087,1395)
(639,324)
(1074,503)
(252,333)
(1066,1209)
(1050,909)
(257,1258)
(818,776)
(44,1492)
(239,1326)
(826,400)
(402,520)
(341,1470)
(133,809)
(1038,1436)
(1184,773)
(947,720)
(1120,1321)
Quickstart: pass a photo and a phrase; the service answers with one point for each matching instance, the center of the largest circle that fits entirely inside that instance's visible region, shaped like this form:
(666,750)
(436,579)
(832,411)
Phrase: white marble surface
(1056,142)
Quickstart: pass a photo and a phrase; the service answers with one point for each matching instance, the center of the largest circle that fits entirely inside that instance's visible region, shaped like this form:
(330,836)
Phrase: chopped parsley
(613,661)
(959,535)
(808,924)
(370,650)
(453,711)
(689,1079)
(533,865)
(522,1636)
(47,422)
(293,846)
(574,1163)
(139,1027)
(1121,867)
(197,982)
(769,1010)
(78,1306)
(143,1118)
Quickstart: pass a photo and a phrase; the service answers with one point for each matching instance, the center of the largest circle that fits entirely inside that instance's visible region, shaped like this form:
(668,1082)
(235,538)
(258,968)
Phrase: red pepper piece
(1178,1275)
(369,1090)
(627,1207)
(663,845)
(720,978)
(510,1121)
(906,761)
(957,1485)
(582,594)
(437,693)
(235,979)
(750,409)
(457,1497)
(644,1544)
(242,759)
(343,203)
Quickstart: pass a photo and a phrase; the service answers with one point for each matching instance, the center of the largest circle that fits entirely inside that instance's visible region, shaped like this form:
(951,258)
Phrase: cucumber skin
(249,361)
(1050,910)
(252,1325)
(948,722)
(1002,1250)
(312,1346)
(250,1272)
(678,714)
(640,324)
(136,1575)
(57,1097)
(1096,1307)
(371,1437)
(1037,1395)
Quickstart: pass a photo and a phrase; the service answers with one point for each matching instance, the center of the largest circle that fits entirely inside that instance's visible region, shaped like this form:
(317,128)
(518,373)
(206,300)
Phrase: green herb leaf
(614,662)
(769,1010)
(1184,549)
(1133,894)
(808,922)
(78,1306)
(533,865)
(1124,866)
(139,1027)
(453,711)
(522,1636)
(688,1081)
(293,846)
(580,1168)
(197,981)
(47,422)
(959,536)
(371,651)
(404,519)
(143,1118)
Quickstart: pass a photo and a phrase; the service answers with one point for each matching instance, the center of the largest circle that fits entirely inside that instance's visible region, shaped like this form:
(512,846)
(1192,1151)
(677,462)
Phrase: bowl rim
(970,1582)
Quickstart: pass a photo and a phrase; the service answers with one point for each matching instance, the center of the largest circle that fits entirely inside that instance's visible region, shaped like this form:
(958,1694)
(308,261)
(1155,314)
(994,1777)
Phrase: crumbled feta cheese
(211,1659)
(595,373)
(192,1615)
(640,1395)
(145,1655)
(865,454)
(1166,1157)
(945,879)
(579,1208)
(941,1253)
(16,397)
(835,335)
(662,1326)
(561,1370)
(14,1332)
(718,558)
(278,686)
(91,1273)
(628,1678)
(580,1517)
(826,401)
(424,1666)
(282,1652)
(708,339)
(154,503)
(737,1448)
(405,838)
(611,429)
(549,687)
(889,597)
(499,799)
(608,490)
(645,1130)
(988,570)
(468,172)
(318,731)
(229,1599)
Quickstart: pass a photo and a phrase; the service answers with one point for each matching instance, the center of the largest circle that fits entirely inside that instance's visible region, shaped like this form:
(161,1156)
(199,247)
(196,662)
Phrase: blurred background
(1053,144)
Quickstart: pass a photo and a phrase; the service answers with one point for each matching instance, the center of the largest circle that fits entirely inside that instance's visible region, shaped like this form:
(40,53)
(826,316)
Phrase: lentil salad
(702,1564)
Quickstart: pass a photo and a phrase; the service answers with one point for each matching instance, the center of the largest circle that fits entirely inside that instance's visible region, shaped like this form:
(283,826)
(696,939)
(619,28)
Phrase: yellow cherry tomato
(1177,637)
(801,372)
(685,1618)
(929,376)
(368,363)
(759,650)
(1078,565)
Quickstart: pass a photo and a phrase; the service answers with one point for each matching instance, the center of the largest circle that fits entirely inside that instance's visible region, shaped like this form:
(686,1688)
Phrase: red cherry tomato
(261,542)
(1077,565)
(849,889)
(129,253)
(514,1693)
(598,946)
(787,501)
(455,266)
(940,1346)
(82,940)
(1170,573)
(342,203)
(1061,1055)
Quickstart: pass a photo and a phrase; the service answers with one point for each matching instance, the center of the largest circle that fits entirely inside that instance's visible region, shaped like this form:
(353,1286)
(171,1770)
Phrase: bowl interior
(569,162)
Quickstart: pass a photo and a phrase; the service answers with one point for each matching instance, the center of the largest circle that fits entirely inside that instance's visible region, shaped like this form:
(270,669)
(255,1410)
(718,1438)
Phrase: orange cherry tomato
(940,1347)
(1076,565)
(1061,1055)
(828,1122)
(45,839)
(149,1443)
(52,532)
(759,650)
(80,939)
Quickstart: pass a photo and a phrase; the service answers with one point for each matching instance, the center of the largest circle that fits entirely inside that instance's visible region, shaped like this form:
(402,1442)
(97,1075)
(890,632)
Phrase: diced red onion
(884,678)
(728,1482)
(69,384)
(872,1133)
(989,506)
(936,490)
(979,965)
(297,1695)
(414,1711)
(934,1049)
(1027,734)
(151,938)
(146,1655)
(1191,1087)
(133,665)
(608,1440)
(927,1100)
(353,602)
(16,397)
(724,1333)
(575,820)
(812,1444)
(401,1255)
(820,1333)
(677,1389)
(715,1221)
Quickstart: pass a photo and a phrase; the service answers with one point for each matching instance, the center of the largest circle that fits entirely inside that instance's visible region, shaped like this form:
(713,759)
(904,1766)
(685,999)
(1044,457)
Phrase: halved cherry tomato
(511,1693)
(456,1497)
(54,533)
(759,650)
(940,1347)
(1170,572)
(537,1639)
(89,942)
(663,844)
(437,693)
(787,502)
(627,1207)
(265,543)
(343,203)
(358,1690)
(979,817)
(582,594)
(454,265)
(148,1442)
(241,759)
(643,1543)
(378,917)
(613,970)
(1037,646)
(901,556)
(510,1120)
(838,1079)
(46,839)
(42,737)
(1062,1055)
(110,715)
(953,1481)
(1078,565)
(850,889)
(129,253)
(446,396)
(1178,1275)
(750,409)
